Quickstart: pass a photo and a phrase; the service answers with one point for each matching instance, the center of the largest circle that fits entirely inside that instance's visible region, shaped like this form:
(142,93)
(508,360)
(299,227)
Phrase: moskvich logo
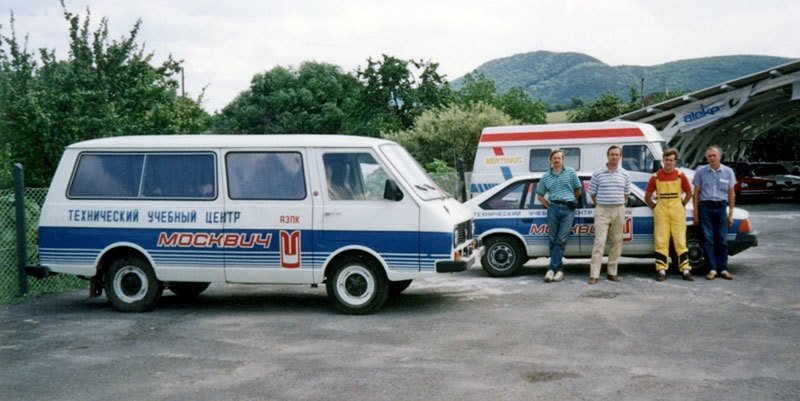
(210,240)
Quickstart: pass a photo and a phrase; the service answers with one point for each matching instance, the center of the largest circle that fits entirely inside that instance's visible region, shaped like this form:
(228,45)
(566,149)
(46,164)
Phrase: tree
(104,88)
(317,98)
(397,91)
(515,102)
(448,134)
(605,107)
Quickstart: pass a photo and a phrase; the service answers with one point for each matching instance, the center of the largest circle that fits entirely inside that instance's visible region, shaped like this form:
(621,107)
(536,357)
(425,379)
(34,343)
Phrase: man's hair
(671,152)
(554,151)
(613,147)
(715,147)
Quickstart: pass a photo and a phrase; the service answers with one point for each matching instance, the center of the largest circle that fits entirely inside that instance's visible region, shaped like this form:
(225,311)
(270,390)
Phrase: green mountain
(557,78)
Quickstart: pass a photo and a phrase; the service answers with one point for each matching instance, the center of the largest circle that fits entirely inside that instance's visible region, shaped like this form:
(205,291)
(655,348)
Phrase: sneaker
(559,276)
(687,275)
(711,275)
(549,276)
(726,275)
(662,275)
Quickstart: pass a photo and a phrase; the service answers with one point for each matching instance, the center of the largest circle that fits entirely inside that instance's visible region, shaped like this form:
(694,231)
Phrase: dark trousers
(714,222)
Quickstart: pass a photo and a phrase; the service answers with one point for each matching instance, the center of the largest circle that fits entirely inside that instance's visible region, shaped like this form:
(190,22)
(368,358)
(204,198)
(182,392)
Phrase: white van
(140,214)
(506,152)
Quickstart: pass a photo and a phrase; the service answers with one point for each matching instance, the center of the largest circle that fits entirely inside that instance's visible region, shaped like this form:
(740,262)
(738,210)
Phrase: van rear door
(268,217)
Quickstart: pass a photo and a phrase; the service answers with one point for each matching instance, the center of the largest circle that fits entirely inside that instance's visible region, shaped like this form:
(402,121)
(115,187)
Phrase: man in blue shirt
(563,187)
(714,200)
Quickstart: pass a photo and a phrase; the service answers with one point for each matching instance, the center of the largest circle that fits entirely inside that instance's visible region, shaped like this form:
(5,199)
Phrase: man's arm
(696,204)
(543,201)
(731,204)
(648,198)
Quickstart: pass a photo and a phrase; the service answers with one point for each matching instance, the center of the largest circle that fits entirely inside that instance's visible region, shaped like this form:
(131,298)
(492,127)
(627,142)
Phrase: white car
(512,225)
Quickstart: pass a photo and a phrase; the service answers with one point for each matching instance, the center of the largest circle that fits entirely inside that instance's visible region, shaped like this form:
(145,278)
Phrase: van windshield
(412,172)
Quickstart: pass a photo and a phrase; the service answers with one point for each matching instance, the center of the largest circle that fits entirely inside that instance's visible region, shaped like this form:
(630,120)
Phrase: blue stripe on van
(406,251)
(506,172)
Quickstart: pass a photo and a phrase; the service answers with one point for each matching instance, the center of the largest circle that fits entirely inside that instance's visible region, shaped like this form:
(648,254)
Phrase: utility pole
(642,92)
(183,84)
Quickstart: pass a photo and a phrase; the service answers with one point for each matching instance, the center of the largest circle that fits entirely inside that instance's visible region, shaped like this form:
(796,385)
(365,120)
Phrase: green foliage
(449,133)
(104,88)
(476,87)
(314,99)
(439,166)
(6,179)
(603,108)
(396,91)
(779,143)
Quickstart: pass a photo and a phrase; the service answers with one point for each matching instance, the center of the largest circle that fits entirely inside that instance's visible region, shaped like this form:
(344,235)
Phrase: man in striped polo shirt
(609,188)
(562,186)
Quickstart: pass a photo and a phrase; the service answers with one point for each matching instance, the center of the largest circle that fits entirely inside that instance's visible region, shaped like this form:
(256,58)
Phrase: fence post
(462,180)
(19,202)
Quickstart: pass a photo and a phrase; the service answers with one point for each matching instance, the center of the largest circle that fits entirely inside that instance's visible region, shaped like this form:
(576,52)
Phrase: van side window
(144,176)
(354,176)
(266,175)
(540,159)
(107,176)
(637,158)
(179,176)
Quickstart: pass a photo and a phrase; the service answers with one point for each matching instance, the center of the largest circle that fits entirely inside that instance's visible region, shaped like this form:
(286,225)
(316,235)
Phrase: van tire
(187,290)
(396,287)
(132,286)
(696,255)
(503,257)
(357,285)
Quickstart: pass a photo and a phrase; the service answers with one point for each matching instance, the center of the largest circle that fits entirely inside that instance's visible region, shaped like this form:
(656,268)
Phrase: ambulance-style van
(510,151)
(139,214)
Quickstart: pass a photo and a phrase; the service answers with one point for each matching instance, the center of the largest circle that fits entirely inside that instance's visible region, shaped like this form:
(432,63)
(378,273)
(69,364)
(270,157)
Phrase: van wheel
(396,287)
(187,290)
(132,286)
(503,257)
(357,286)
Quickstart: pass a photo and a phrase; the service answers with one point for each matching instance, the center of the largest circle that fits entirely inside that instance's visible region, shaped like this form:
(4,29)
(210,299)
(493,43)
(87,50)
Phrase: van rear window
(144,176)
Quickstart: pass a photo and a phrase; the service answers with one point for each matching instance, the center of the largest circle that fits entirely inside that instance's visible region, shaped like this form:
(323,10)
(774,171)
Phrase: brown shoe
(614,278)
(592,281)
(726,275)
(711,275)
(688,276)
(661,277)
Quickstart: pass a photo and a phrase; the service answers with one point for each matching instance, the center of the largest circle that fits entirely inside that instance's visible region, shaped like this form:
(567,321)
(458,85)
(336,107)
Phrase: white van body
(290,209)
(510,151)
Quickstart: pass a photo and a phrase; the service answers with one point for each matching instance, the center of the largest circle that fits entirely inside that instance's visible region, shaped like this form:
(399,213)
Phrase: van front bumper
(455,266)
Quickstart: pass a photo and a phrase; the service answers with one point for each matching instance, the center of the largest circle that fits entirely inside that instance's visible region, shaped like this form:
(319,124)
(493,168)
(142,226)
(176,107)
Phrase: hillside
(556,78)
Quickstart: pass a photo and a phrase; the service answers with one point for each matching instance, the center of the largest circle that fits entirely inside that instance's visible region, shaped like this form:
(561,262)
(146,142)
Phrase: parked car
(750,187)
(786,184)
(512,225)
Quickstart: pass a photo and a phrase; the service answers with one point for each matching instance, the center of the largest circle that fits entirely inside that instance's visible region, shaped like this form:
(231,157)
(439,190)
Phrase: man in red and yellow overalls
(669,214)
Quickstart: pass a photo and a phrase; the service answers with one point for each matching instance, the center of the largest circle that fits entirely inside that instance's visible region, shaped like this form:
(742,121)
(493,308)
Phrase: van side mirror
(391,191)
(656,165)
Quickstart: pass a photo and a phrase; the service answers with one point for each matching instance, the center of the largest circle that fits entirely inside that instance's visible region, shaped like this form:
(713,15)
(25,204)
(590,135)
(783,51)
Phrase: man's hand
(696,219)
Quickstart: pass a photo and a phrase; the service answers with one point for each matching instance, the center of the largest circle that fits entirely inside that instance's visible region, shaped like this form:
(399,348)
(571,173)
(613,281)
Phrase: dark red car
(750,187)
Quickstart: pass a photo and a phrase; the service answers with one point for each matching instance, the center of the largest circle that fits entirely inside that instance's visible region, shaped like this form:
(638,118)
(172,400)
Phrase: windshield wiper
(421,187)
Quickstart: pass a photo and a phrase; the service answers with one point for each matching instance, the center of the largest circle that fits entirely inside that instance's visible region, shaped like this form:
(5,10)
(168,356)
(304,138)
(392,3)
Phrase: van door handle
(333,213)
(527,220)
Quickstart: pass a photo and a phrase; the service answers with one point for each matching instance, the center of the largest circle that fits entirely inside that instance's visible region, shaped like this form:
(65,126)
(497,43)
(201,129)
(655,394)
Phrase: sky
(223,44)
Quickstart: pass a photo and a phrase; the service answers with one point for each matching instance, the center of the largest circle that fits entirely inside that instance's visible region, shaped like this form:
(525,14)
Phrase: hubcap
(695,253)
(130,284)
(502,256)
(355,285)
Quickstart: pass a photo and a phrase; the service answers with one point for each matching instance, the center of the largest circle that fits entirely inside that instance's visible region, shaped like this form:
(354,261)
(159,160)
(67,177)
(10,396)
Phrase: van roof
(228,141)
(556,134)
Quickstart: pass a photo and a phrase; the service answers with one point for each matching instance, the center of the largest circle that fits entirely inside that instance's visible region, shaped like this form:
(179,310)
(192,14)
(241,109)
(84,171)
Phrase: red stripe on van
(548,135)
(498,151)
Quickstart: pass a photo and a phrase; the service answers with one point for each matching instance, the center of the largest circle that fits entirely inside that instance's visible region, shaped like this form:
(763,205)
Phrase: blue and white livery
(143,213)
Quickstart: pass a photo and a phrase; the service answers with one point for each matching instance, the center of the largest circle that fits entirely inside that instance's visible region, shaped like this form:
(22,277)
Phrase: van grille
(464,232)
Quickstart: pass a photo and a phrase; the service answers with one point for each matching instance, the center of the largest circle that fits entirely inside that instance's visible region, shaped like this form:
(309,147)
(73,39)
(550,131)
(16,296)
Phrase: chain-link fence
(9,278)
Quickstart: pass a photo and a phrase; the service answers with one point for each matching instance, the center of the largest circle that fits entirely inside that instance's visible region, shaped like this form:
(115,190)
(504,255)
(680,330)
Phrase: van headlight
(455,237)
